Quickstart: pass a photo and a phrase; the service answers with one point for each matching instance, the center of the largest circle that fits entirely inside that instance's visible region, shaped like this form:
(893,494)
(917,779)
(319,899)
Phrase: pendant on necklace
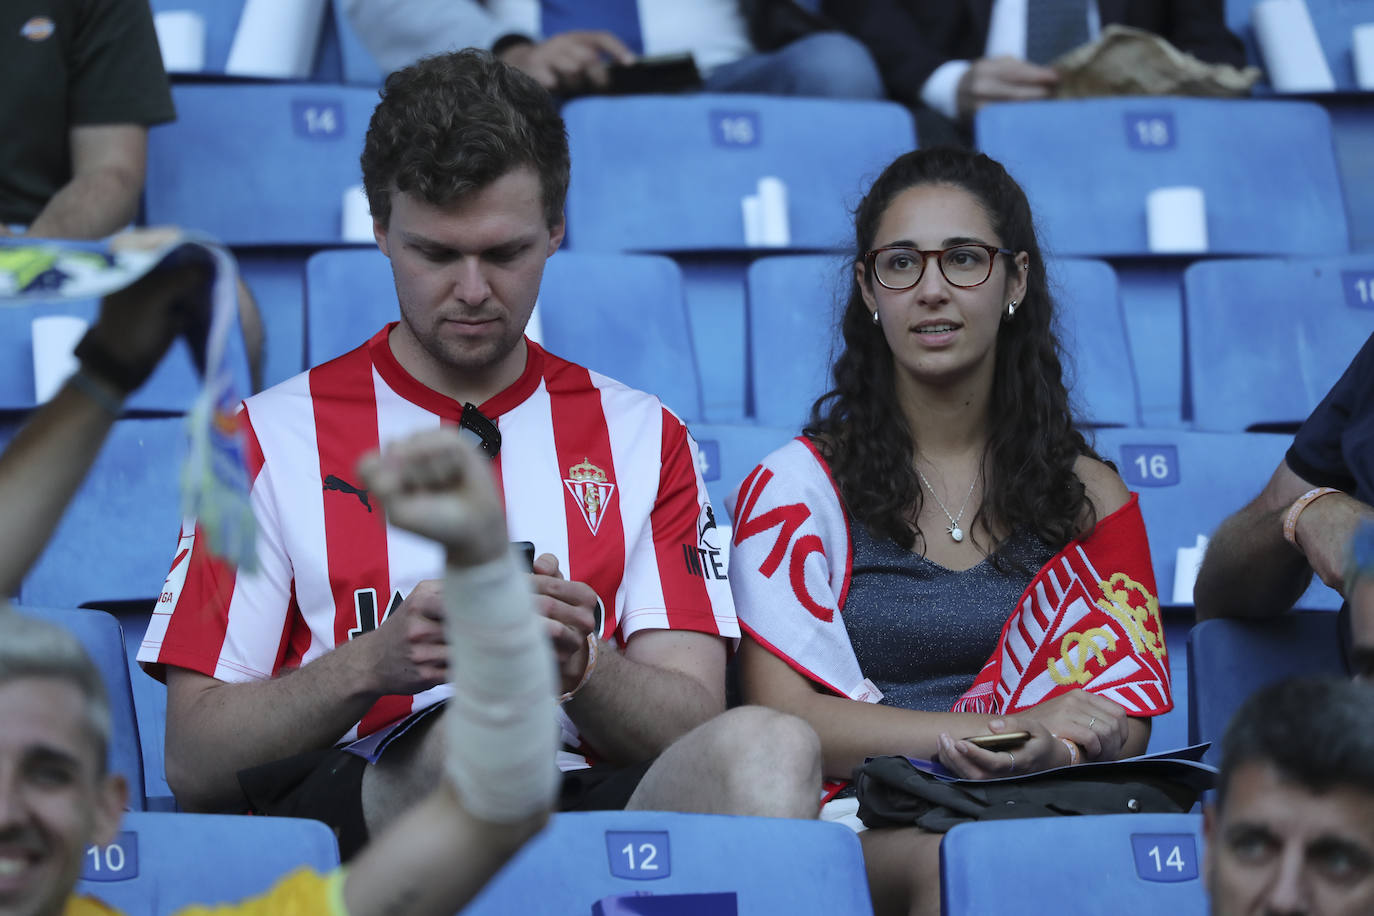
(956,532)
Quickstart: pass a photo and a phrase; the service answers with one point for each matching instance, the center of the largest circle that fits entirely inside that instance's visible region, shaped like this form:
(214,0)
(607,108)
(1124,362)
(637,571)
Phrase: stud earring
(875,317)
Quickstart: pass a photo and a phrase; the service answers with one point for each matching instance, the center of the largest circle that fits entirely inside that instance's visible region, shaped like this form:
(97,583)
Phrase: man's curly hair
(451,124)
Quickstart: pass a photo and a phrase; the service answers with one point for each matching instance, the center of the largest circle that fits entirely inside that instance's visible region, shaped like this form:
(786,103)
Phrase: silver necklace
(954,530)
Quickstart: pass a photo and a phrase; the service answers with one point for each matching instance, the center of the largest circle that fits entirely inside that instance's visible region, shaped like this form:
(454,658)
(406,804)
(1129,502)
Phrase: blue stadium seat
(795,303)
(1170,731)
(667,173)
(276,278)
(349,295)
(1230,659)
(1352,131)
(794,306)
(1268,338)
(1087,166)
(1098,370)
(118,537)
(258,163)
(162,862)
(1189,482)
(359,68)
(172,388)
(621,315)
(103,640)
(221,25)
(1126,864)
(624,316)
(221,22)
(770,865)
(1333,20)
(1152,304)
(729,451)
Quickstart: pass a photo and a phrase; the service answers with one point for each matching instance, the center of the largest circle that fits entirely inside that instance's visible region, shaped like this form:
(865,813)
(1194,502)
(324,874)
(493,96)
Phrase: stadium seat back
(771,865)
(162,862)
(1333,21)
(1189,482)
(119,535)
(1230,659)
(1144,864)
(668,173)
(103,640)
(1099,370)
(1088,165)
(359,68)
(1267,338)
(349,295)
(729,451)
(258,163)
(794,306)
(221,19)
(624,316)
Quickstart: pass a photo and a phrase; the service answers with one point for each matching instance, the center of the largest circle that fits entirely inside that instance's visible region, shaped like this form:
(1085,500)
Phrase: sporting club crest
(590,490)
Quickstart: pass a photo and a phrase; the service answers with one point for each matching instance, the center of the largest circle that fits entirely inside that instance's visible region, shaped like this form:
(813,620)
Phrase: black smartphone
(526,551)
(659,74)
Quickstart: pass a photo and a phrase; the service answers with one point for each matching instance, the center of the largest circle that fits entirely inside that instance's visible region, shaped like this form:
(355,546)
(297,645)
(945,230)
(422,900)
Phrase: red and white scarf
(1090,618)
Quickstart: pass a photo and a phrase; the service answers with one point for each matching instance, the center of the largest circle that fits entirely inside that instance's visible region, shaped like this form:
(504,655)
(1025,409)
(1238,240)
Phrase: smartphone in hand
(1000,742)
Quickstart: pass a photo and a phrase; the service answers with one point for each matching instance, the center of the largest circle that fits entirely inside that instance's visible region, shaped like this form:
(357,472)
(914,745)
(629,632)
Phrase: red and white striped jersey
(600,475)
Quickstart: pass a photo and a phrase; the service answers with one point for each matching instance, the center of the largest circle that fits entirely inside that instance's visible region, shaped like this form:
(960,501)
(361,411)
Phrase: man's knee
(760,751)
(835,65)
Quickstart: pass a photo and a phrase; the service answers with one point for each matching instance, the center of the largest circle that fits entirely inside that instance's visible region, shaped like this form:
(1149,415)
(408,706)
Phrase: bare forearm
(851,731)
(214,732)
(631,711)
(90,206)
(1249,569)
(41,470)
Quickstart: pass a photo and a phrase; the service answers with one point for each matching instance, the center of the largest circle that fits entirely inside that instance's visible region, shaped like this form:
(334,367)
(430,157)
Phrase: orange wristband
(1073,749)
(1290,520)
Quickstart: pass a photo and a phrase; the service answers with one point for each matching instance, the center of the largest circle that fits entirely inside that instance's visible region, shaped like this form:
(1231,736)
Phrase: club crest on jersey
(590,490)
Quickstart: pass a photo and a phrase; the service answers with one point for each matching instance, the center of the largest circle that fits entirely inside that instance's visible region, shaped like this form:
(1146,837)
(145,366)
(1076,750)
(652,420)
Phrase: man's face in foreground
(55,797)
(1278,848)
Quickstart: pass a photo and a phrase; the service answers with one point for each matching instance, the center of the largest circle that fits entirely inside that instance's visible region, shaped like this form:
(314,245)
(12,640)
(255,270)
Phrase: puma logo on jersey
(707,525)
(343,486)
(704,559)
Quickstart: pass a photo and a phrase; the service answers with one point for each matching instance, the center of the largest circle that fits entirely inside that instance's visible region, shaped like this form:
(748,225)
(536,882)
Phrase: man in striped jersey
(335,637)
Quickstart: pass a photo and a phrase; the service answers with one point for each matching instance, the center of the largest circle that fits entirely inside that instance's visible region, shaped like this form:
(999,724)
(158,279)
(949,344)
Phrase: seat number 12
(640,855)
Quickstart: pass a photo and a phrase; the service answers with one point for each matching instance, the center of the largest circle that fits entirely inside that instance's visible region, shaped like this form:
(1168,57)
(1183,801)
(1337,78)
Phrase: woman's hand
(1039,752)
(1094,723)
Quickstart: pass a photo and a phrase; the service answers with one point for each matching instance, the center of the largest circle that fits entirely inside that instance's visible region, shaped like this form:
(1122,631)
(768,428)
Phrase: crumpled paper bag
(1128,61)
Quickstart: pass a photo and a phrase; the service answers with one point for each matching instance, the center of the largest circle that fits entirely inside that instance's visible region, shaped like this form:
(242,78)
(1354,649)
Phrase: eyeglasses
(965,266)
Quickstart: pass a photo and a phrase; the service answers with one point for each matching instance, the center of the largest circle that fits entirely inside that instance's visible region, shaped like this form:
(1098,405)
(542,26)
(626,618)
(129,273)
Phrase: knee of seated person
(834,65)
(758,747)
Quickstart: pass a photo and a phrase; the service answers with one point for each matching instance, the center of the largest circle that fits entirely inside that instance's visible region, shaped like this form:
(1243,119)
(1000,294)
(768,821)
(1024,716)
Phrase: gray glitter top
(922,632)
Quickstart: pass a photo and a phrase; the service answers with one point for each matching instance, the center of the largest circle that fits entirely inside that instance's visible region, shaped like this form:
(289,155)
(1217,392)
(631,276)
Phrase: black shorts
(327,786)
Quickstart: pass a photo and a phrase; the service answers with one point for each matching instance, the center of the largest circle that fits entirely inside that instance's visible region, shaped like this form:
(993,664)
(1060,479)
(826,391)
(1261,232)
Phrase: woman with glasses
(941,555)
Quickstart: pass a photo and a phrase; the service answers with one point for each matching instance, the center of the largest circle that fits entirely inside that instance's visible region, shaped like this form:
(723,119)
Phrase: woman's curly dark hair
(860,427)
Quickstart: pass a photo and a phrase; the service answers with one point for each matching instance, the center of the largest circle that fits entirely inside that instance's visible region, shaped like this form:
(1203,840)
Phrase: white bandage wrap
(502,733)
